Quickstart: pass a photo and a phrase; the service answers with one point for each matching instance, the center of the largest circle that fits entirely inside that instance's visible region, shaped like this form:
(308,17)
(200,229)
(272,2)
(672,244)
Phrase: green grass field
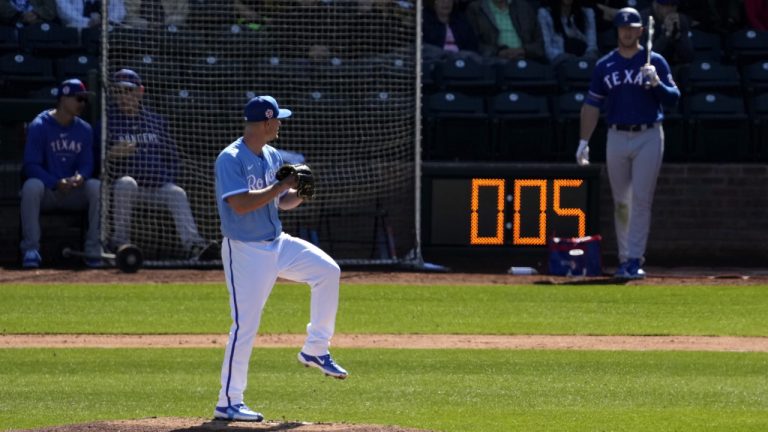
(446,390)
(526,309)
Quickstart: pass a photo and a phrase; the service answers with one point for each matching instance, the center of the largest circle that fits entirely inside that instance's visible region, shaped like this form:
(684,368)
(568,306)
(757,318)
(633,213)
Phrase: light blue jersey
(239,170)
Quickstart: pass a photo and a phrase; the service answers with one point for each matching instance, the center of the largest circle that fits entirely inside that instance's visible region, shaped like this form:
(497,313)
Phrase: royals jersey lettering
(238,170)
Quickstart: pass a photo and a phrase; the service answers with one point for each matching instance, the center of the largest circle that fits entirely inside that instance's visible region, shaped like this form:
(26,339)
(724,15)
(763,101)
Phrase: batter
(631,92)
(255,252)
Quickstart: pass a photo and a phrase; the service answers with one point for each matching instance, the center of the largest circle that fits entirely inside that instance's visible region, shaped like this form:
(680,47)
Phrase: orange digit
(541,239)
(574,212)
(473,233)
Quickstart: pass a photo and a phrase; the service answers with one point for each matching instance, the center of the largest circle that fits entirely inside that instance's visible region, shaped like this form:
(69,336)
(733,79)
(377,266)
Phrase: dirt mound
(176,424)
(679,276)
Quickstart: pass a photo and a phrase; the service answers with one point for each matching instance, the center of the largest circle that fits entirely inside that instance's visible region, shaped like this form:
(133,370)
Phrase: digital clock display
(510,205)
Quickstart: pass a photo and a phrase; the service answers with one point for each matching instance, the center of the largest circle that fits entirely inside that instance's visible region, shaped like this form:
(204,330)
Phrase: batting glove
(649,72)
(582,153)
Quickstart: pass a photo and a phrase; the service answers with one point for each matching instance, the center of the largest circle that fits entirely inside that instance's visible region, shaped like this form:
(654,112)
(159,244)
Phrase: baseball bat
(649,44)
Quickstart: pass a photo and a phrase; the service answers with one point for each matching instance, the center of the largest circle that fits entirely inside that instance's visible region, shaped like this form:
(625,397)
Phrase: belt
(633,128)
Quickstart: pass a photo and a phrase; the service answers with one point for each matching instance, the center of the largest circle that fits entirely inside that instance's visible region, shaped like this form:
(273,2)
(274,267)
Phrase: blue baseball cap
(126,78)
(627,17)
(71,87)
(262,108)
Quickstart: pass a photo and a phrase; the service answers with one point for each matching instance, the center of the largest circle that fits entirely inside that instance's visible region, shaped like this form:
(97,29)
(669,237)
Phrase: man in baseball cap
(58,172)
(72,87)
(146,163)
(126,78)
(627,17)
(262,108)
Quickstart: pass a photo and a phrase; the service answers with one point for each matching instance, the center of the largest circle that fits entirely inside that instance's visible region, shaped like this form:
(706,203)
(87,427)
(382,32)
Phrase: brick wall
(703,214)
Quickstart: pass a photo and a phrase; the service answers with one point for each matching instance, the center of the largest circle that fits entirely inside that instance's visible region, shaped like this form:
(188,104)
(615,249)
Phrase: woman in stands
(446,30)
(569,31)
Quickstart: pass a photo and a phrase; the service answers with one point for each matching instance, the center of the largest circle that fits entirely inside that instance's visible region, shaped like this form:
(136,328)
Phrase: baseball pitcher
(252,184)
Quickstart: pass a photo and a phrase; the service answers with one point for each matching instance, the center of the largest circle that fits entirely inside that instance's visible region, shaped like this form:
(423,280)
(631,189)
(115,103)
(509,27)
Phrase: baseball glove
(306,183)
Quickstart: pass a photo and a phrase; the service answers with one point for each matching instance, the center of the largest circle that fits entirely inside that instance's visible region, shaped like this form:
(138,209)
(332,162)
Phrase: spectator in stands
(671,37)
(27,11)
(757,14)
(58,168)
(446,30)
(144,161)
(715,16)
(506,29)
(568,30)
(174,13)
(82,14)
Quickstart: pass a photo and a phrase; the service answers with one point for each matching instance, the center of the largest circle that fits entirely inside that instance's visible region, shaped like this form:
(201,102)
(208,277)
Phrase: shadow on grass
(582,281)
(222,425)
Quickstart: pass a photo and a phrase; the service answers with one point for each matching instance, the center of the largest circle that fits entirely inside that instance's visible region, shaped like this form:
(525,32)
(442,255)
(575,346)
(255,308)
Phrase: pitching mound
(173,424)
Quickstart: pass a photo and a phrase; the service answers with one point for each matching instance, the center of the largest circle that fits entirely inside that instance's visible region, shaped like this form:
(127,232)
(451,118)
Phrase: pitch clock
(487,205)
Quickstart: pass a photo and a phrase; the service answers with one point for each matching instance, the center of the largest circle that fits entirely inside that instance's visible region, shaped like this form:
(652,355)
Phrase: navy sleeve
(34,156)
(666,92)
(597,92)
(170,151)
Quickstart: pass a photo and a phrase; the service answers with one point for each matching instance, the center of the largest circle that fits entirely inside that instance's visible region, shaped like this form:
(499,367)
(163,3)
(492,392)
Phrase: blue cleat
(630,269)
(238,412)
(325,363)
(32,259)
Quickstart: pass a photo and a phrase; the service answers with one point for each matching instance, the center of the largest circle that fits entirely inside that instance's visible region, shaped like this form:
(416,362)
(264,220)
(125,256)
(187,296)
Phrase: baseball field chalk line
(427,341)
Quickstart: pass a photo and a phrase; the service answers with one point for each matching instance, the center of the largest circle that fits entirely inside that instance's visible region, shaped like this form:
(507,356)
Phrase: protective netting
(347,69)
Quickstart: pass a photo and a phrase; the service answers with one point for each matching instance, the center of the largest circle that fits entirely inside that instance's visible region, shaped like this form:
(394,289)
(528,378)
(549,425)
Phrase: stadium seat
(568,115)
(430,70)
(704,75)
(76,66)
(759,116)
(718,128)
(9,39)
(129,43)
(236,40)
(49,39)
(755,77)
(528,76)
(22,110)
(212,67)
(575,74)
(48,92)
(675,144)
(456,127)
(747,46)
(706,46)
(21,71)
(467,75)
(90,40)
(607,40)
(521,127)
(178,43)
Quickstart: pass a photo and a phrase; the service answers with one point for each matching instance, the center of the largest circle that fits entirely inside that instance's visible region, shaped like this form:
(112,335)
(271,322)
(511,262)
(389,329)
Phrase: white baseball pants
(633,160)
(251,269)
